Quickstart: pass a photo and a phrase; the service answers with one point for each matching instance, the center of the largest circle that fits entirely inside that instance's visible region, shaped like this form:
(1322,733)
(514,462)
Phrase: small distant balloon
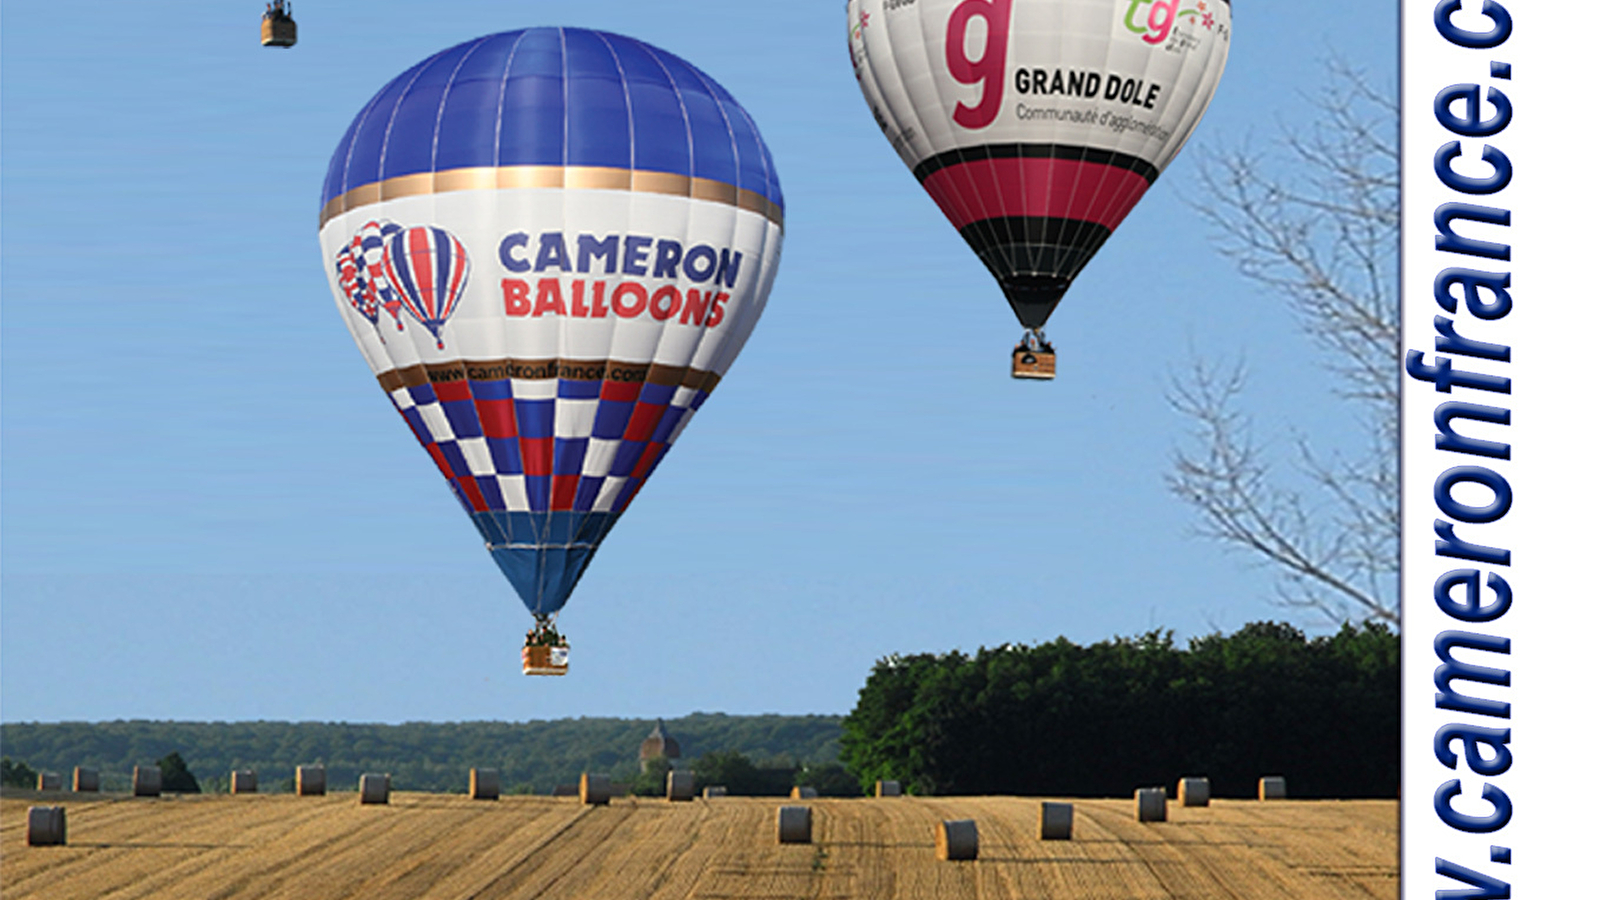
(277,25)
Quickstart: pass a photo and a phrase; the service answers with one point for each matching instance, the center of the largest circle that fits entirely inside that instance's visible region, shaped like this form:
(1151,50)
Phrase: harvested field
(446,846)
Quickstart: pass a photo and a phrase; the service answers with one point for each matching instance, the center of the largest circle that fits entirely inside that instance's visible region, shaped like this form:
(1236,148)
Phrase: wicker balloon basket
(1037,364)
(545,660)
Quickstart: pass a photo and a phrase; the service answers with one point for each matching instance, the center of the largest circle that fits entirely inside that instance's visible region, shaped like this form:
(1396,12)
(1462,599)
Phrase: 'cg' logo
(1158,21)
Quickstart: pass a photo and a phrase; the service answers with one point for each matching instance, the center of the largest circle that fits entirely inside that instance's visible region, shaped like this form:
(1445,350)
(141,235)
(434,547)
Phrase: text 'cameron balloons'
(1036,125)
(585,228)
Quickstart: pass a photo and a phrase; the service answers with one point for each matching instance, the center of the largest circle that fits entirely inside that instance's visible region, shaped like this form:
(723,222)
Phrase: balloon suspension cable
(544,632)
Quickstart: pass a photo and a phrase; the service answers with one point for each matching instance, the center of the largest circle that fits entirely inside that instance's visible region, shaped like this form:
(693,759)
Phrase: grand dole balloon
(1036,125)
(549,245)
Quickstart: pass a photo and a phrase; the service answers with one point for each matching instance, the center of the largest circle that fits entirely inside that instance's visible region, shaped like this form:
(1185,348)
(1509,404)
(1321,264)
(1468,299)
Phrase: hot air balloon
(583,229)
(1036,125)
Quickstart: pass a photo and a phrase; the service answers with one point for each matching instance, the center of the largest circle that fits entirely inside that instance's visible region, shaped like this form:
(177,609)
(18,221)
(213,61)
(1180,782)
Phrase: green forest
(1056,719)
(1064,720)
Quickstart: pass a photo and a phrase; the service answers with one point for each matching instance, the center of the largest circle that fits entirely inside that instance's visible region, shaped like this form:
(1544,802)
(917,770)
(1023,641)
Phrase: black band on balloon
(1134,164)
(1036,245)
(1034,258)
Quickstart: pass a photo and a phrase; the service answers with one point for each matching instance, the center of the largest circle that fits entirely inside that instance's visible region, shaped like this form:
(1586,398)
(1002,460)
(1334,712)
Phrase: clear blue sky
(210,512)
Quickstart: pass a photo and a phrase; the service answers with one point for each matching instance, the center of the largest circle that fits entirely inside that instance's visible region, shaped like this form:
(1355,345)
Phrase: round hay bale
(243,781)
(794,824)
(1152,803)
(47,826)
(957,839)
(87,780)
(483,784)
(803,793)
(310,781)
(715,790)
(146,781)
(594,790)
(680,785)
(1194,791)
(886,789)
(49,781)
(374,788)
(1273,787)
(1055,821)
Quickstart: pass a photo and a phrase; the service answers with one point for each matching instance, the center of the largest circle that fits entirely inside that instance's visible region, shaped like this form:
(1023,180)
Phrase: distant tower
(659,743)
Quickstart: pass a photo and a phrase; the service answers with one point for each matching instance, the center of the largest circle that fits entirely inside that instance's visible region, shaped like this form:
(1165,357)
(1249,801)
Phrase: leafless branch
(1315,222)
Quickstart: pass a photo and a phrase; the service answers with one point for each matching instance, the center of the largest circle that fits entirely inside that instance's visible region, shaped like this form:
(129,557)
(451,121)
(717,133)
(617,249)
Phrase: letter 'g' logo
(989,69)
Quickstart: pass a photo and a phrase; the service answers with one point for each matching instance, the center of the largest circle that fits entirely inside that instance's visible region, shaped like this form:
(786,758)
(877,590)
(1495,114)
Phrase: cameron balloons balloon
(573,234)
(1036,125)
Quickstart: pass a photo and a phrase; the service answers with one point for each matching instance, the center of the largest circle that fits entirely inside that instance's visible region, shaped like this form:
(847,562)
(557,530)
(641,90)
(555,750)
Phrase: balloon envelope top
(549,246)
(1036,125)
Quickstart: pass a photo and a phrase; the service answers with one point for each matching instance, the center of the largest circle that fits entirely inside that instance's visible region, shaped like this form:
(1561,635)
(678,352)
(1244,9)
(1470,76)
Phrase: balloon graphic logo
(351,283)
(591,228)
(428,268)
(361,278)
(1037,125)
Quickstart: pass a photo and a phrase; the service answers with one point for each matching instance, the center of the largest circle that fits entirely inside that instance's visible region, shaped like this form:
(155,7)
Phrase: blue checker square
(491,390)
(628,453)
(658,394)
(506,454)
(413,417)
(568,456)
(536,418)
(538,487)
(489,486)
(453,456)
(611,419)
(463,416)
(588,490)
(669,421)
(570,389)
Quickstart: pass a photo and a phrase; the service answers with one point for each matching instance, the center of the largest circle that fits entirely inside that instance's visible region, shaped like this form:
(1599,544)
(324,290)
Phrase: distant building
(659,743)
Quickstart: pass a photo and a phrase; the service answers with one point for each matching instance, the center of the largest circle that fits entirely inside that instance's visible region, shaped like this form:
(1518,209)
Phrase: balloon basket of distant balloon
(545,652)
(1033,357)
(277,25)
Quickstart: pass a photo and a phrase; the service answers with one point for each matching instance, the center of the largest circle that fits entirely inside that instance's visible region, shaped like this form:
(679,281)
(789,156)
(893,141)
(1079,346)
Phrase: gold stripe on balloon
(546,369)
(604,178)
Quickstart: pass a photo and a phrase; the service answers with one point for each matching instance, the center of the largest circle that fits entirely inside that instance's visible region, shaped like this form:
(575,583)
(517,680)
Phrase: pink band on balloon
(1031,186)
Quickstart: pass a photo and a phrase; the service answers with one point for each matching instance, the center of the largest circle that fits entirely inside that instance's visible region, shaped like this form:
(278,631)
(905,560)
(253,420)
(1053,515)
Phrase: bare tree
(1315,222)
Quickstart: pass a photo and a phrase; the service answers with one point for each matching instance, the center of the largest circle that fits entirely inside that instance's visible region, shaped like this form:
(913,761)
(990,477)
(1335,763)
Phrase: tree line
(533,757)
(1060,719)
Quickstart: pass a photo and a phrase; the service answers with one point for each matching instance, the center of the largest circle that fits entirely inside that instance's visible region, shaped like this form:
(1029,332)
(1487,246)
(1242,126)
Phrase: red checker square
(563,489)
(453,390)
(438,459)
(469,489)
(536,455)
(616,390)
(497,418)
(647,459)
(642,424)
